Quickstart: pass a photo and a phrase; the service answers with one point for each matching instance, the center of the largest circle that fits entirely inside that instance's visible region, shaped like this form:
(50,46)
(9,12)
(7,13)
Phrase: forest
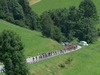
(38,33)
(59,24)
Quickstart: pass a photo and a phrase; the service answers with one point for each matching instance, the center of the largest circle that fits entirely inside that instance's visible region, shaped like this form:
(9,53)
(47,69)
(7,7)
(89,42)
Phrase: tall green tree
(65,20)
(87,30)
(31,18)
(11,49)
(88,9)
(18,12)
(56,34)
(87,21)
(58,16)
(49,29)
(46,23)
(71,22)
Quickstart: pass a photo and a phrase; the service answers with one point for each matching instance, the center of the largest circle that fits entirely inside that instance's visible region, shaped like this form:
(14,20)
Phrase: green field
(45,5)
(34,42)
(85,62)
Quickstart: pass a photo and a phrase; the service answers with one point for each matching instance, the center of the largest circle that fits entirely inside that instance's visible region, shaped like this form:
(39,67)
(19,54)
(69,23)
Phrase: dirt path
(33,1)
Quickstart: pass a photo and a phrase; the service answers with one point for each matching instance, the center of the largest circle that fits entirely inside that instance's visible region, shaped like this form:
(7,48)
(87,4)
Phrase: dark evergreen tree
(11,49)
(18,12)
(31,18)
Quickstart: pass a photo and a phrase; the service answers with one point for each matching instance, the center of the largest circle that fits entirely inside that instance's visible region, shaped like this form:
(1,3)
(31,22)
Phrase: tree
(88,9)
(87,21)
(56,34)
(18,12)
(65,20)
(87,30)
(58,16)
(60,19)
(71,22)
(73,14)
(31,18)
(46,23)
(11,49)
(49,29)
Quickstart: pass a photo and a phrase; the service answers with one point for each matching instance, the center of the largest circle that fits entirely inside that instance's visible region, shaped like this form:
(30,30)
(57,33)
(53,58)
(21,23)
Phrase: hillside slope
(45,5)
(85,62)
(34,42)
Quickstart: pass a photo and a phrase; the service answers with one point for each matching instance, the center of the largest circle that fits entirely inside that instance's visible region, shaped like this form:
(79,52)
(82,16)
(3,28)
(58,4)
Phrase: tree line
(11,54)
(58,24)
(18,12)
(73,23)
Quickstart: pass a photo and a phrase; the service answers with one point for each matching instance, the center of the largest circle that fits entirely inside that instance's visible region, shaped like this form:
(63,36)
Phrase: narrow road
(45,56)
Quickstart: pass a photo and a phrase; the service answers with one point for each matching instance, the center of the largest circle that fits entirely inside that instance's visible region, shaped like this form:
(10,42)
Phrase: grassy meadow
(45,5)
(85,62)
(33,41)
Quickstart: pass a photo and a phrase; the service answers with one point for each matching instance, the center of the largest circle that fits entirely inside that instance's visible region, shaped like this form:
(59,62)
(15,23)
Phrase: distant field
(45,5)
(34,42)
(31,2)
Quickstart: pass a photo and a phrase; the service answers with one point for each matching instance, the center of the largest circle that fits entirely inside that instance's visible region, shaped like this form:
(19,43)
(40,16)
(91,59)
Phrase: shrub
(62,65)
(68,61)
